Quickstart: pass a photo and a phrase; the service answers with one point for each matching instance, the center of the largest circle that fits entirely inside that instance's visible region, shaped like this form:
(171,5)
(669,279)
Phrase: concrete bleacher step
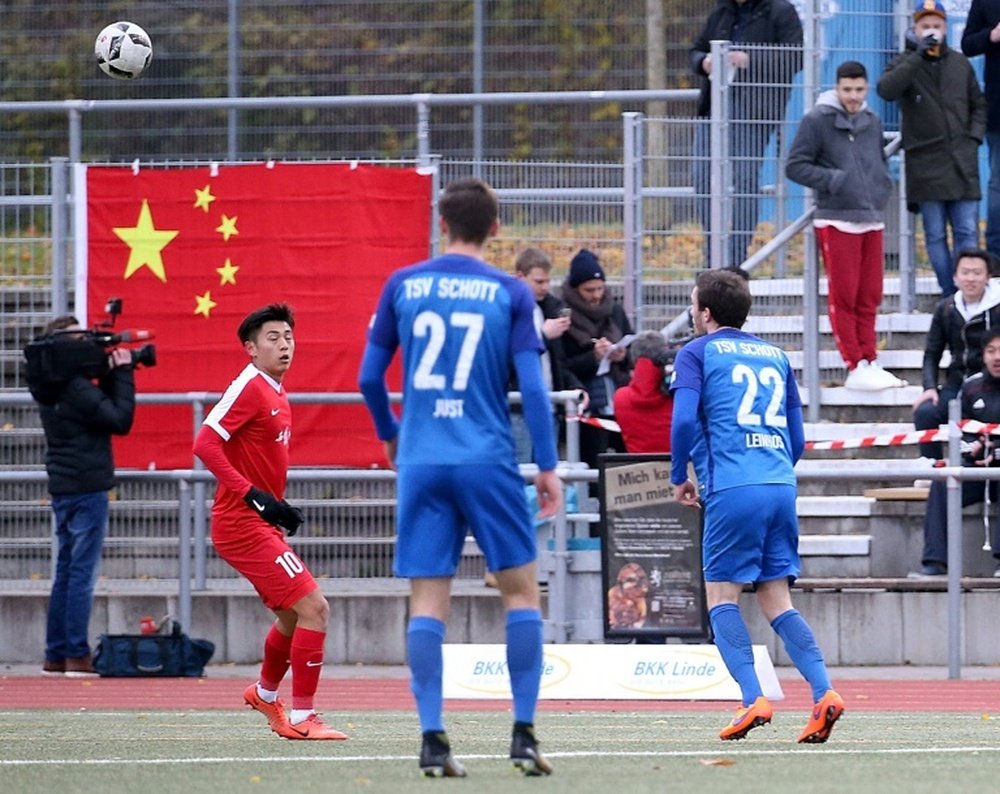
(886,324)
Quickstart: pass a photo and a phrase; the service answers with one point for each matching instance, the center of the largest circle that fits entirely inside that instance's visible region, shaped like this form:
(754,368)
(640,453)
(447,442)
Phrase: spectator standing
(597,324)
(79,416)
(738,393)
(761,82)
(958,325)
(982,37)
(461,323)
(943,121)
(534,267)
(980,396)
(244,443)
(837,152)
(643,407)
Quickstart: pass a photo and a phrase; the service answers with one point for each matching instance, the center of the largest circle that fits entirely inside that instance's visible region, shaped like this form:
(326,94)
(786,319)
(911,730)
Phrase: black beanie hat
(584,267)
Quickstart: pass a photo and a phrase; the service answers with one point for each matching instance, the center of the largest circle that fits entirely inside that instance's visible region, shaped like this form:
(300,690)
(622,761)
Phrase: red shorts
(260,552)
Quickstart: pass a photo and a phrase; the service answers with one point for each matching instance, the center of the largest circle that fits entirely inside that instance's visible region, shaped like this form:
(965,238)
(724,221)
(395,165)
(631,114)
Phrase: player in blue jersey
(462,324)
(739,394)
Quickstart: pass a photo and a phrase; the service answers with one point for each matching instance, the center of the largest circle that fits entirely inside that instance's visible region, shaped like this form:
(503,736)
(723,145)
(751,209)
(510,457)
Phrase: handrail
(558,587)
(191,538)
(356,100)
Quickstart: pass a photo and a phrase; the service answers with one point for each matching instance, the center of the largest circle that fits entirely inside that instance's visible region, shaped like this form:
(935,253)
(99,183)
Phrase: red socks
(277,648)
(307,663)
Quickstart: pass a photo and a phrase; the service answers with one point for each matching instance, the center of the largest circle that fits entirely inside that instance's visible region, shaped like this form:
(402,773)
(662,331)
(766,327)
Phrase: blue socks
(733,641)
(801,647)
(424,637)
(524,661)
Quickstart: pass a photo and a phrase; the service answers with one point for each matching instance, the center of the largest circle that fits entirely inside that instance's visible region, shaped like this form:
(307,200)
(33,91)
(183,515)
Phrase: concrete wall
(859,627)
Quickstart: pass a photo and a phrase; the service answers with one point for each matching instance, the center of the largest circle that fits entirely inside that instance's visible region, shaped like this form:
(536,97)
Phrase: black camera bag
(165,655)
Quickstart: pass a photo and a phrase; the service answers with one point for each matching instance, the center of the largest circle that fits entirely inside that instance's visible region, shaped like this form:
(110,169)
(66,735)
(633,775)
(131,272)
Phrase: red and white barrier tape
(916,437)
(899,439)
(594,421)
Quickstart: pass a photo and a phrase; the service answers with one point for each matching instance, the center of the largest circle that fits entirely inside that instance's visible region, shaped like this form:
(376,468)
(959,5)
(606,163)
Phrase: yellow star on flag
(203,198)
(228,227)
(146,242)
(204,304)
(227,273)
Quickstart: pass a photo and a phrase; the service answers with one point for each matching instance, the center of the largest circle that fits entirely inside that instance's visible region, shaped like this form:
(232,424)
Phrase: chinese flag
(192,251)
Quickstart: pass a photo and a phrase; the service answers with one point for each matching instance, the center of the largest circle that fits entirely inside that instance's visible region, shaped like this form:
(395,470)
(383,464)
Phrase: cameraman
(980,396)
(79,417)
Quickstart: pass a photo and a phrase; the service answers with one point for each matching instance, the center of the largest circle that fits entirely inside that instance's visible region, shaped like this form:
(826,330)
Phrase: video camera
(56,357)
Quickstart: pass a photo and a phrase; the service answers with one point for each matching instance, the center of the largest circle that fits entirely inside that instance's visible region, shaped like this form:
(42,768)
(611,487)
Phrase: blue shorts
(438,505)
(751,534)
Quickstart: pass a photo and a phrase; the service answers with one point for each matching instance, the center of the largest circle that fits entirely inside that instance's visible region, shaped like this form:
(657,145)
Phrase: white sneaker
(863,378)
(891,381)
(869,376)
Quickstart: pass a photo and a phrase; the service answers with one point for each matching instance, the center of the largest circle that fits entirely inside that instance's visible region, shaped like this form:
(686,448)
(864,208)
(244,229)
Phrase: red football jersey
(255,421)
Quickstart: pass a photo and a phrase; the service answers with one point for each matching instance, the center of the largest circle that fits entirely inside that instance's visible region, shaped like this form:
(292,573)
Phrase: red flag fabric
(191,251)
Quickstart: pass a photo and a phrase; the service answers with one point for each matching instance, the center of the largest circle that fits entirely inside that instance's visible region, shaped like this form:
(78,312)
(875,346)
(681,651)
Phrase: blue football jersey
(459,322)
(746,389)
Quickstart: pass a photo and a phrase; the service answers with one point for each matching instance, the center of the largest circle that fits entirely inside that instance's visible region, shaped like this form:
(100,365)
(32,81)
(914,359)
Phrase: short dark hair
(726,294)
(59,323)
(976,253)
(530,258)
(851,69)
(470,208)
(253,322)
(989,336)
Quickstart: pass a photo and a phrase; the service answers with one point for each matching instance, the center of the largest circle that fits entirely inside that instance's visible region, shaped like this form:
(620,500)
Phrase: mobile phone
(566,312)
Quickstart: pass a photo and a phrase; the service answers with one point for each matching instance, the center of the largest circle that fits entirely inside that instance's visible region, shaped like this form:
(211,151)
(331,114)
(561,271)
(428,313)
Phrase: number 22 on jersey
(754,382)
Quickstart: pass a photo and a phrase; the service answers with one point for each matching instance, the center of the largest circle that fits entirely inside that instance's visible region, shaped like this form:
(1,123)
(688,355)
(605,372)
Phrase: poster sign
(651,548)
(606,672)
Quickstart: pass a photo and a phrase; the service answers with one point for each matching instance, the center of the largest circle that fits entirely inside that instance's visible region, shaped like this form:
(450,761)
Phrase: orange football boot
(275,712)
(312,727)
(756,714)
(821,721)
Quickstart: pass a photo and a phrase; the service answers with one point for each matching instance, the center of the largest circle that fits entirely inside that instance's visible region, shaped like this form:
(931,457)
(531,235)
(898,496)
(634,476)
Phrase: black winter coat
(78,428)
(943,121)
(562,376)
(983,17)
(759,22)
(962,338)
(980,397)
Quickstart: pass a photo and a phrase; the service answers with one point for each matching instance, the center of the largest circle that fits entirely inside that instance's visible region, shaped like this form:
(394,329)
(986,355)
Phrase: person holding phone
(552,319)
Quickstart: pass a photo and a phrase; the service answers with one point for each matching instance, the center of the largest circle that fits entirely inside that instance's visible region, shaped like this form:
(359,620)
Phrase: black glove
(292,520)
(273,510)
(929,46)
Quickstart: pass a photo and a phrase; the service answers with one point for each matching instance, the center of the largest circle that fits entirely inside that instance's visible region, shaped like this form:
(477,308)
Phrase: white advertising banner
(606,672)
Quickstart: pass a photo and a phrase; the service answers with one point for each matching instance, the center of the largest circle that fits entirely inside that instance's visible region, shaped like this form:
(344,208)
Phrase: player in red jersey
(244,443)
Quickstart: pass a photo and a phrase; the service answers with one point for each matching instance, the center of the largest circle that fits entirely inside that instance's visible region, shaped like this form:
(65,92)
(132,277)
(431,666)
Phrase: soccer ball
(123,50)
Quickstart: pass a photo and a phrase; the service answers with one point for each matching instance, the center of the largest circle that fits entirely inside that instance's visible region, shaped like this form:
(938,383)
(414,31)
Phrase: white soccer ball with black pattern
(123,50)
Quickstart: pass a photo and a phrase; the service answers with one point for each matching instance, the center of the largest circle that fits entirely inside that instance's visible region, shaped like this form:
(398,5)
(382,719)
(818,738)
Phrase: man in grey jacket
(943,121)
(837,152)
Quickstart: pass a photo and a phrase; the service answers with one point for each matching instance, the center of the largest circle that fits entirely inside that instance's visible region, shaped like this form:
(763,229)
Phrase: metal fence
(187,555)
(643,211)
(349,515)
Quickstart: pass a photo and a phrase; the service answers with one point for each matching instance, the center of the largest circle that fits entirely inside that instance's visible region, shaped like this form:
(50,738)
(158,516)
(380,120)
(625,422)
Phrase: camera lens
(145,355)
